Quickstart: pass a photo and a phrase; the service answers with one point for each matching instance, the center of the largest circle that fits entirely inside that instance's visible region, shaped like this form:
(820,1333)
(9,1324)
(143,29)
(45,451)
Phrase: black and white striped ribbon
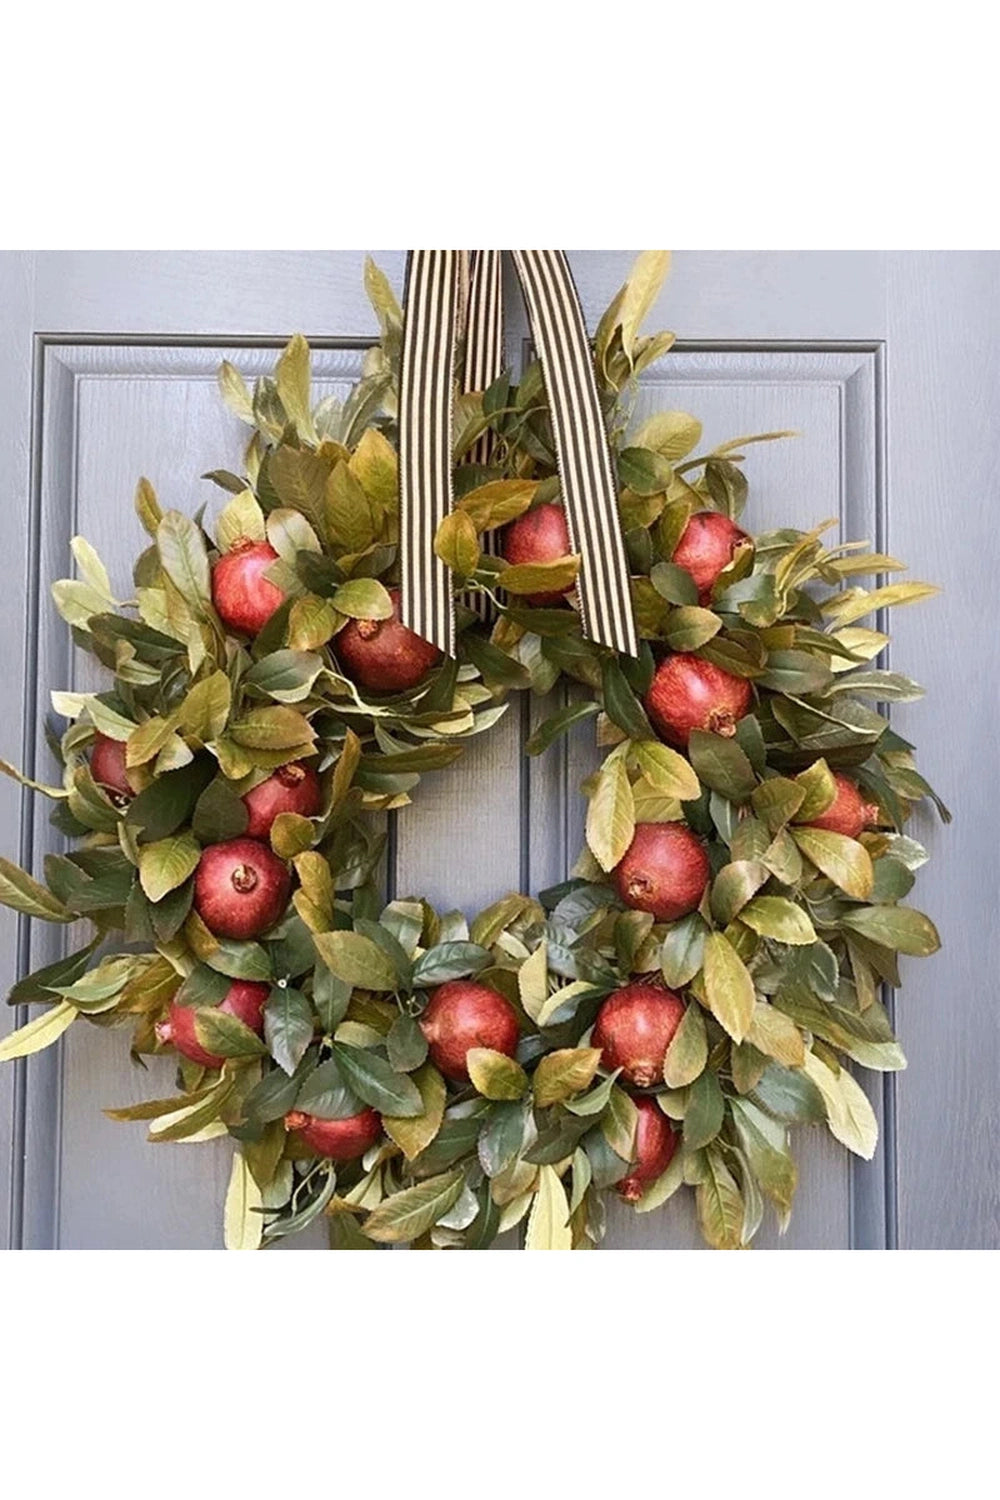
(483,364)
(582,452)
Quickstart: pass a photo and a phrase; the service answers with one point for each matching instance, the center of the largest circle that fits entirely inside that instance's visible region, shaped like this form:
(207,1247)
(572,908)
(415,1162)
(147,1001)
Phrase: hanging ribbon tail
(589,491)
(484,363)
(433,279)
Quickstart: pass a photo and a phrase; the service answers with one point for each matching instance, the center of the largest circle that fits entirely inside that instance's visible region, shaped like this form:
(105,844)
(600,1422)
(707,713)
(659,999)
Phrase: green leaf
(621,704)
(548,1224)
(644,471)
(789,1094)
(563,1073)
(666,770)
(722,765)
(378,1084)
(689,627)
(225,1035)
(683,951)
(406,1044)
(286,676)
(414,1133)
(820,791)
(184,558)
(557,724)
(842,860)
(776,1035)
(205,710)
(611,814)
(357,960)
(241,520)
(494,1075)
(719,1205)
(326,1094)
(688,1051)
(20,892)
(41,1032)
(777,800)
(541,578)
(850,1116)
(854,604)
(619,1124)
(897,927)
(165,865)
(363,599)
(766,1146)
(449,961)
(288,1026)
(728,986)
(734,886)
(778,918)
(411,1213)
(706,1107)
(274,728)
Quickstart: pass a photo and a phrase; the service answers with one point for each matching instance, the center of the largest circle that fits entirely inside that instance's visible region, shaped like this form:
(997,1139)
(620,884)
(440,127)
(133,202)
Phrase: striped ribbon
(433,295)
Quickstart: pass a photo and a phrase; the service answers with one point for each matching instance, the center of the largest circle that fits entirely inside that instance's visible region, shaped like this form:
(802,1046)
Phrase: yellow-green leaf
(41,1032)
(356,960)
(674,434)
(292,377)
(688,1051)
(820,791)
(240,520)
(205,709)
(777,917)
(776,1035)
(277,728)
(375,465)
(409,1214)
(719,1205)
(548,1224)
(541,578)
(243,1221)
(850,1116)
(611,814)
(457,544)
(165,865)
(20,892)
(563,1073)
(842,860)
(414,1134)
(728,986)
(897,927)
(494,1075)
(854,604)
(666,770)
(533,982)
(496,503)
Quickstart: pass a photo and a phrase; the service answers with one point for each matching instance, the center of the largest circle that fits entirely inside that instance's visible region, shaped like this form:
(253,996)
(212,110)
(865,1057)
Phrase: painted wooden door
(887,367)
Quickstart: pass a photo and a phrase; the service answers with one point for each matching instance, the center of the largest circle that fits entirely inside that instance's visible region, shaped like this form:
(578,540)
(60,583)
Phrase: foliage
(782,966)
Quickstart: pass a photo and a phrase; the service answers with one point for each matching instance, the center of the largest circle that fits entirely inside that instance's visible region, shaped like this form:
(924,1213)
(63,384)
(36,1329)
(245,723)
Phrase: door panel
(126,387)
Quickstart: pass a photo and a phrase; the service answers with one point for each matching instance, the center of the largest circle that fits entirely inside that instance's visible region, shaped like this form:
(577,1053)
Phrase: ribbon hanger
(434,306)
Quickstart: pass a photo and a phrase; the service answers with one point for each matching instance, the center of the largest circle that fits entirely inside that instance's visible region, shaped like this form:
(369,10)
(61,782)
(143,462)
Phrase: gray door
(887,366)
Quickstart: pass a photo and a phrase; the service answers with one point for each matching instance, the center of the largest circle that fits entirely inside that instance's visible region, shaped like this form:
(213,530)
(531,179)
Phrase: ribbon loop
(583,454)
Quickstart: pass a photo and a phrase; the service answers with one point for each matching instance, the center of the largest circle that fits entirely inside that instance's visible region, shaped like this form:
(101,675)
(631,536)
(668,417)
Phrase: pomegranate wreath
(282,678)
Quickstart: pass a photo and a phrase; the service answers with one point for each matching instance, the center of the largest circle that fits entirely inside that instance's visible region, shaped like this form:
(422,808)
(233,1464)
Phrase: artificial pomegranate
(340,1140)
(848,812)
(688,693)
(240,888)
(244,599)
(708,544)
(107,766)
(539,536)
(664,870)
(383,655)
(655,1144)
(243,999)
(293,788)
(634,1028)
(462,1014)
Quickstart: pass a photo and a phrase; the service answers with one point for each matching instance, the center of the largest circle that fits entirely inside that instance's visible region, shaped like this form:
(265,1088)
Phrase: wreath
(659,1020)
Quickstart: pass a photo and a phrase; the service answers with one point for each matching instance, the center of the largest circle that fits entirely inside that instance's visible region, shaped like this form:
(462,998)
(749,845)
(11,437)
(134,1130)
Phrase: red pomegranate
(292,789)
(244,599)
(383,655)
(848,812)
(688,693)
(243,999)
(539,536)
(655,1144)
(708,544)
(664,870)
(462,1014)
(634,1028)
(340,1140)
(107,766)
(240,888)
